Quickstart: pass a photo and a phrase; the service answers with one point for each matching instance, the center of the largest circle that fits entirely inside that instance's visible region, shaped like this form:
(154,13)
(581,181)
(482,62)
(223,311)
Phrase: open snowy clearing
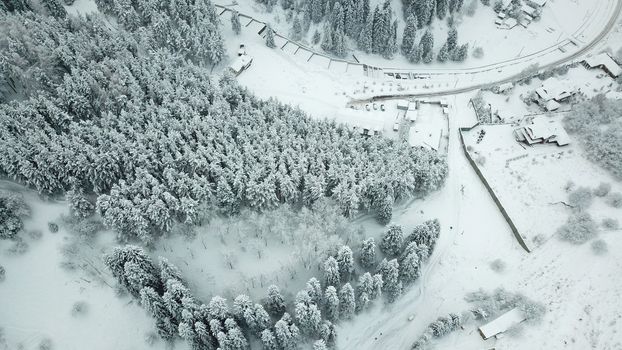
(577,287)
(40,294)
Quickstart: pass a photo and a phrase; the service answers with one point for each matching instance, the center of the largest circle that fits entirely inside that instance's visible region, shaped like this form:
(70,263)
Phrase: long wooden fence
(504,212)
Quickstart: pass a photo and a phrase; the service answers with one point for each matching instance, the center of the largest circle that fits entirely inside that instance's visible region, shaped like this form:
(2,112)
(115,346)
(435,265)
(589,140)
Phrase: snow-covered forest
(155,138)
(309,174)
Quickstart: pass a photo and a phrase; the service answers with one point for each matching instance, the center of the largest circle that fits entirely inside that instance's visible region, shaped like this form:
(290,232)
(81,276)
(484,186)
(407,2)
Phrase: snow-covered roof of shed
(502,323)
(605,60)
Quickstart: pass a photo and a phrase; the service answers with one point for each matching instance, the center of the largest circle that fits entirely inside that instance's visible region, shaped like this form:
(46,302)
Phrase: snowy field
(58,292)
(71,308)
(531,181)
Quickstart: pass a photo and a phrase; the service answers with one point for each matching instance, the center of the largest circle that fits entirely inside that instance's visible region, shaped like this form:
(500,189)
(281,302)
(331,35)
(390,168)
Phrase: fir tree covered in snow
(392,241)
(331,272)
(269,36)
(235,22)
(347,302)
(392,286)
(275,303)
(409,35)
(331,304)
(345,261)
(367,256)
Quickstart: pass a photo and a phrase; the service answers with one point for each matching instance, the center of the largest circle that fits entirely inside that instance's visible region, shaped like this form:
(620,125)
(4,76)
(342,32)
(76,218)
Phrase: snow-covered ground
(579,289)
(38,294)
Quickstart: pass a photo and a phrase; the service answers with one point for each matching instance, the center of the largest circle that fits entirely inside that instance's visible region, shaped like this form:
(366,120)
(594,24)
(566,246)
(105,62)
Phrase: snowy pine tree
(309,317)
(268,340)
(269,37)
(331,304)
(296,29)
(319,345)
(345,262)
(314,290)
(275,303)
(367,256)
(331,272)
(392,241)
(235,22)
(409,35)
(241,304)
(443,54)
(426,46)
(391,282)
(410,264)
(452,39)
(287,333)
(364,41)
(154,304)
(441,8)
(347,303)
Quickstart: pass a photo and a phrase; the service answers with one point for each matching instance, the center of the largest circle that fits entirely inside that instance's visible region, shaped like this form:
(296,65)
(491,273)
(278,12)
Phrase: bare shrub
(599,247)
(79,308)
(2,273)
(45,344)
(615,199)
(581,198)
(35,234)
(602,190)
(497,265)
(53,227)
(610,224)
(579,229)
(18,247)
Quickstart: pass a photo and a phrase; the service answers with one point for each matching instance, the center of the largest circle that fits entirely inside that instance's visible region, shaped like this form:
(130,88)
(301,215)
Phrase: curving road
(565,60)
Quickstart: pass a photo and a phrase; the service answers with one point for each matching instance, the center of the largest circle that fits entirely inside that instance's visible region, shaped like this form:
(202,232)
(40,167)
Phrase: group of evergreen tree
(401,266)
(12,210)
(187,27)
(103,112)
(163,293)
(423,51)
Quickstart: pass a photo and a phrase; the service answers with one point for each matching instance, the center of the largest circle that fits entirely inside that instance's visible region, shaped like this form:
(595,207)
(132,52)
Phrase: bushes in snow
(615,199)
(610,224)
(593,121)
(602,190)
(579,228)
(437,329)
(497,265)
(580,199)
(2,273)
(12,210)
(599,247)
(488,306)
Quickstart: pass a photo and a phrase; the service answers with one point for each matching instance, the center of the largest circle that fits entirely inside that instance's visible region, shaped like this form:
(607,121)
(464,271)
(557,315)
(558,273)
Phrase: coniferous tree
(452,39)
(347,303)
(498,6)
(392,241)
(415,53)
(441,8)
(296,29)
(133,269)
(309,317)
(236,26)
(269,37)
(154,304)
(367,256)
(345,261)
(319,345)
(331,272)
(54,8)
(328,334)
(443,53)
(331,304)
(391,281)
(287,333)
(410,264)
(426,46)
(275,303)
(314,290)
(327,39)
(460,53)
(365,39)
(410,32)
(316,37)
(268,340)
